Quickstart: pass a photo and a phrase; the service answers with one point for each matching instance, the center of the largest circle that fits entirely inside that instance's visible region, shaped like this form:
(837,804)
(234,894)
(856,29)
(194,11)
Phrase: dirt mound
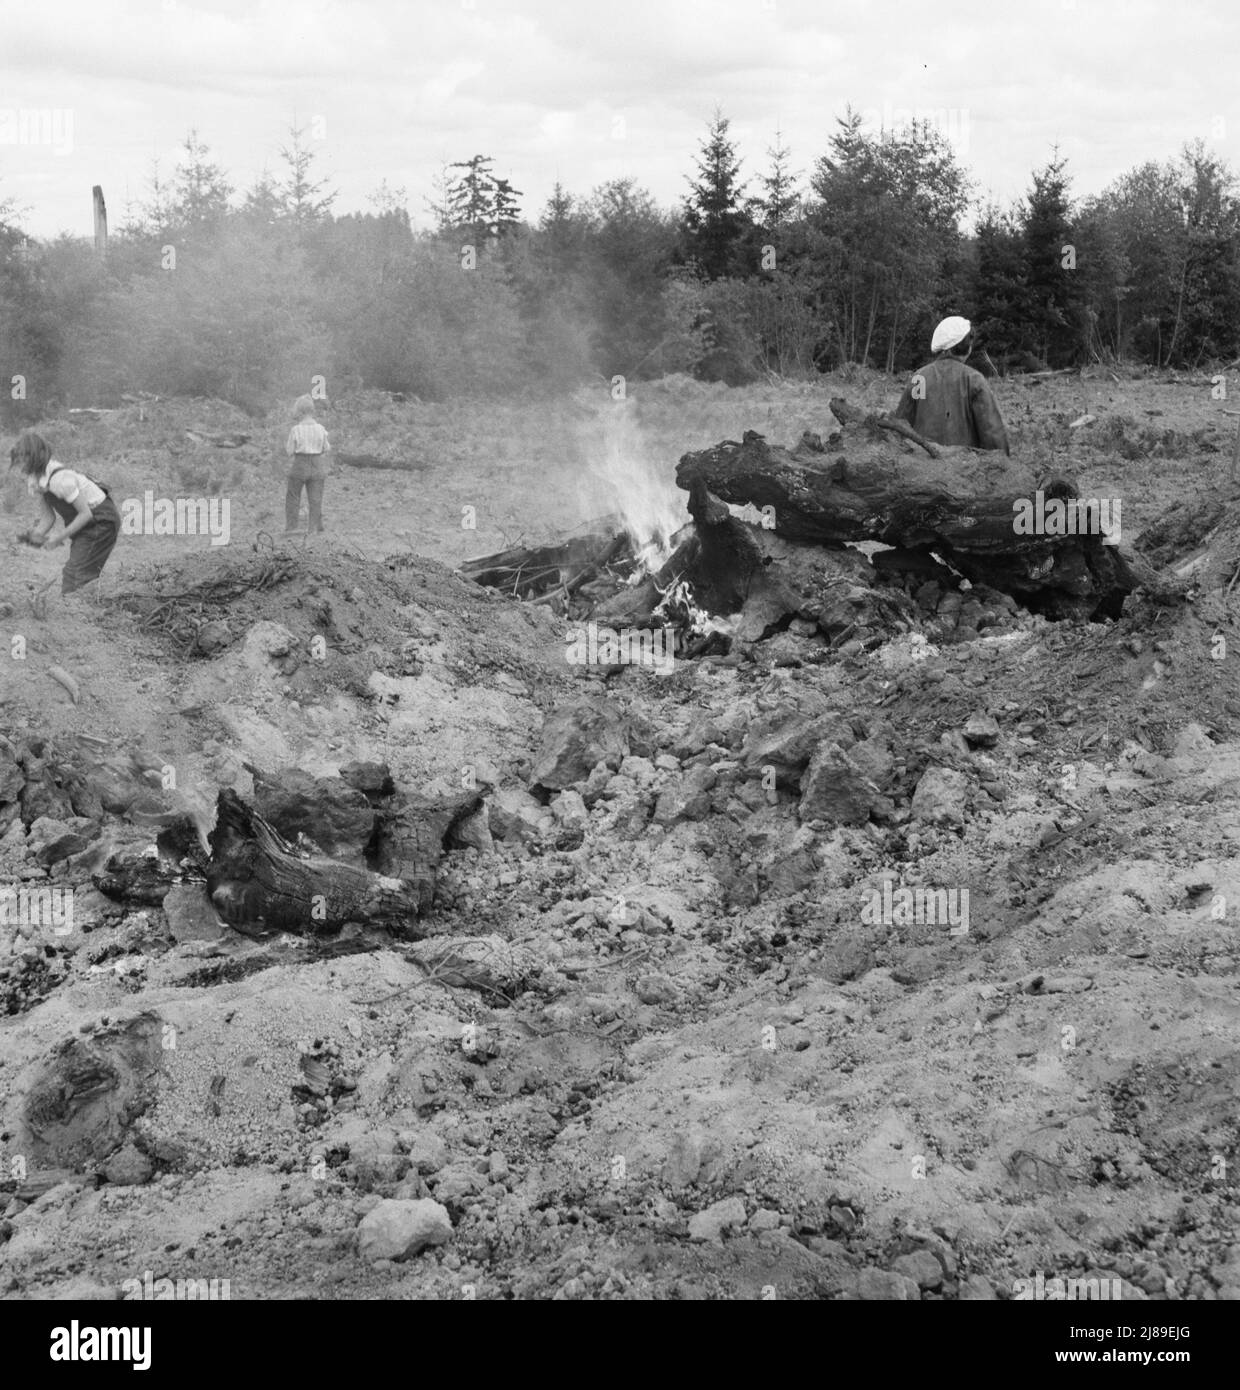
(901,969)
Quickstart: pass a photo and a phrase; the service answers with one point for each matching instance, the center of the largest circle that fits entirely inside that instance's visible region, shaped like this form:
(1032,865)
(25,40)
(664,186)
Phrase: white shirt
(68,485)
(308,437)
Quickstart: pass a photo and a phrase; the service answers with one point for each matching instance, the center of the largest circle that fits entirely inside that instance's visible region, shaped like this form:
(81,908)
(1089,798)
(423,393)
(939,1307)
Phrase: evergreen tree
(304,199)
(262,203)
(715,219)
(471,198)
(780,200)
(999,301)
(200,191)
(1054,289)
(505,210)
(887,237)
(386,199)
(563,233)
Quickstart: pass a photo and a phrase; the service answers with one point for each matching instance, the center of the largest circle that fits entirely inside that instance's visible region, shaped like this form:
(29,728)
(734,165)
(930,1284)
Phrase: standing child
(307,443)
(92,522)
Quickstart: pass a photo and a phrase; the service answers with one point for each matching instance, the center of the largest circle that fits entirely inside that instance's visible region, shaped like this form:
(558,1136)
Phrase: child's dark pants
(90,548)
(309,471)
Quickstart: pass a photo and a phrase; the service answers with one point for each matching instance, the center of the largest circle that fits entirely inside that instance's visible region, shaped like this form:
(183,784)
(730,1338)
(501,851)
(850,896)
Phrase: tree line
(244,296)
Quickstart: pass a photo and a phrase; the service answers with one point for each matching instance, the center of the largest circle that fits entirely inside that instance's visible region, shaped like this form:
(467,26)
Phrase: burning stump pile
(795,554)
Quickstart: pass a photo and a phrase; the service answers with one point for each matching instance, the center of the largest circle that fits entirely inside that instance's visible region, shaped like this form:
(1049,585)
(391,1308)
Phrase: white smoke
(624,478)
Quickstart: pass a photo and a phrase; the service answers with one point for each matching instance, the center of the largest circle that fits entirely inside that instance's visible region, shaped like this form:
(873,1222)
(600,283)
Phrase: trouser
(90,548)
(306,472)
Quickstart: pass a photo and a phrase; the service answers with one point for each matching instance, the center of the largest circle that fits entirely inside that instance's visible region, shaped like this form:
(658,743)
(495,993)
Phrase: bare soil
(678,1011)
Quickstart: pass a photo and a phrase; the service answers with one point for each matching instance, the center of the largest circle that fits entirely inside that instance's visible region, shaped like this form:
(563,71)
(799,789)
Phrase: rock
(701,733)
(639,770)
(91,908)
(41,797)
(918,964)
(879,1285)
(656,989)
(1192,738)
(827,1249)
(265,643)
(940,797)
(786,743)
(848,957)
(835,790)
(374,779)
(12,778)
(575,738)
(191,916)
(398,1229)
(982,730)
(128,1167)
(686,797)
(497,1166)
(515,816)
(53,840)
(792,873)
(631,818)
(976,1288)
(692,1156)
(764,1219)
(212,637)
(921,1267)
(428,1152)
(874,757)
(457,1181)
(717,1218)
(594,787)
(569,809)
(474,832)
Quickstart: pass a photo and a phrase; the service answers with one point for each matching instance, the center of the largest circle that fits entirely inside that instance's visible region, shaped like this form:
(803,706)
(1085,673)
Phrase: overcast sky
(583,92)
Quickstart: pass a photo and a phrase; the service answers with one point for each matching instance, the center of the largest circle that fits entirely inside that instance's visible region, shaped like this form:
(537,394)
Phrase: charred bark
(870,483)
(256,879)
(531,571)
(408,841)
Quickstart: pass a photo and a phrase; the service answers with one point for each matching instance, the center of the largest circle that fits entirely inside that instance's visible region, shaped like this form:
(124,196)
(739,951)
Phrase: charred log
(960,504)
(408,841)
(256,879)
(531,571)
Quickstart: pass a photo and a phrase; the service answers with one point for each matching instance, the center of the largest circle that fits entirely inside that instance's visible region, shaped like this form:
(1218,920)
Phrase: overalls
(90,548)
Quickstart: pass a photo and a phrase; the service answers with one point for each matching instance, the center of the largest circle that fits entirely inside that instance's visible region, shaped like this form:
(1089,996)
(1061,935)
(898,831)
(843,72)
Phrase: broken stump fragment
(256,879)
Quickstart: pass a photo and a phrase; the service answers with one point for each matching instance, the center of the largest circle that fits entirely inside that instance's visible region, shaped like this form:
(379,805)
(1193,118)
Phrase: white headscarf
(950,331)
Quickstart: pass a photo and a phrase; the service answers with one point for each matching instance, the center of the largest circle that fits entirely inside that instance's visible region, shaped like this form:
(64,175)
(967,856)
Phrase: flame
(678,603)
(624,478)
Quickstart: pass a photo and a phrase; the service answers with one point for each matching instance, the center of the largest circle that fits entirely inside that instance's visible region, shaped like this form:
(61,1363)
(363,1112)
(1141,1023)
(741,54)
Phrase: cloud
(545,85)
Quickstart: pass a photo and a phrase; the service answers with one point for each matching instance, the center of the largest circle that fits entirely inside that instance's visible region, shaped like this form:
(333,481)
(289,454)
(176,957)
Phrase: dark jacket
(956,406)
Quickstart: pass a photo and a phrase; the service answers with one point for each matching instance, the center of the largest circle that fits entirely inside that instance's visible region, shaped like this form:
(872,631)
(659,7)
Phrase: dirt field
(682,1057)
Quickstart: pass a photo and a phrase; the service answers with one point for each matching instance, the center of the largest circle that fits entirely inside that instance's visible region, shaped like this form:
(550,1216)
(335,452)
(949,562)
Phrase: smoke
(201,809)
(624,478)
